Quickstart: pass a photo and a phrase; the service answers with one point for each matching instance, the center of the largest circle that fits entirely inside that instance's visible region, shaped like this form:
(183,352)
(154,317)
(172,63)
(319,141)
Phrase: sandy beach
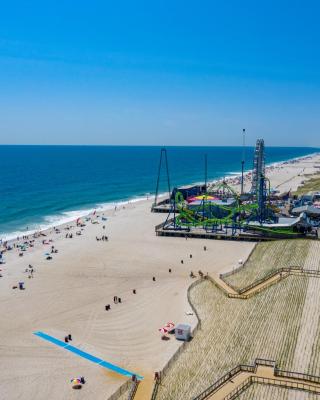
(68,294)
(285,176)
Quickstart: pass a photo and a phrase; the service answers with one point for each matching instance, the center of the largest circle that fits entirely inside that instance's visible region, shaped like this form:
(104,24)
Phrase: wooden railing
(297,375)
(239,389)
(286,384)
(241,293)
(303,381)
(270,381)
(224,379)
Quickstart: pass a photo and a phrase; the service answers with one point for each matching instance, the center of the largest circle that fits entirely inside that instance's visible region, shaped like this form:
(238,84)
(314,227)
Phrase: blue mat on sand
(87,356)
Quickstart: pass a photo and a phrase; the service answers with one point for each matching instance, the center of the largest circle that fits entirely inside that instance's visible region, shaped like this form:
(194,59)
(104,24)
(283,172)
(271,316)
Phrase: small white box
(183,332)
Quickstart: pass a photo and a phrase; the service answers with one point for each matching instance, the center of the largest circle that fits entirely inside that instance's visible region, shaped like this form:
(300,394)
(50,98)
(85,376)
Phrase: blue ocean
(41,186)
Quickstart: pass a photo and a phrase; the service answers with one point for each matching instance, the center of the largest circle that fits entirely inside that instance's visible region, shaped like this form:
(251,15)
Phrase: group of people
(103,237)
(54,250)
(201,274)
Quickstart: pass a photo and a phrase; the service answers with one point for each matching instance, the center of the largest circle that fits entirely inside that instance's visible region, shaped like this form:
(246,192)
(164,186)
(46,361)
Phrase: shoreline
(231,178)
(68,294)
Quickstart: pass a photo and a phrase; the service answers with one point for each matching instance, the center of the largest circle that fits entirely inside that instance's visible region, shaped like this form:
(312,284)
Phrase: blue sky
(162,72)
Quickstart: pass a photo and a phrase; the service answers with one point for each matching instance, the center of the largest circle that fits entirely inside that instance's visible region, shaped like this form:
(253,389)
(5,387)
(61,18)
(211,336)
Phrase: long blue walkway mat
(87,356)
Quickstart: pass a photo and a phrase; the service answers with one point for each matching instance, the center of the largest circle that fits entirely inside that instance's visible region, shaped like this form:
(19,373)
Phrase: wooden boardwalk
(263,371)
(261,284)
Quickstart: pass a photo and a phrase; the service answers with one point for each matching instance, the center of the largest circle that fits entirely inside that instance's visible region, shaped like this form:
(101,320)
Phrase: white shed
(183,332)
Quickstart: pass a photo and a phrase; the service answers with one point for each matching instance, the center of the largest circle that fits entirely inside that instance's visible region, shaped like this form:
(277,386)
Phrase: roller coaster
(221,210)
(213,217)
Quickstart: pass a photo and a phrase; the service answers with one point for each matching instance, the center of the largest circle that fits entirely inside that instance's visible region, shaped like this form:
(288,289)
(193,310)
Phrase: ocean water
(41,186)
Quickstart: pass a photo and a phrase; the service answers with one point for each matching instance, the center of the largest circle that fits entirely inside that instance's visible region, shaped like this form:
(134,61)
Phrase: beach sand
(68,294)
(285,176)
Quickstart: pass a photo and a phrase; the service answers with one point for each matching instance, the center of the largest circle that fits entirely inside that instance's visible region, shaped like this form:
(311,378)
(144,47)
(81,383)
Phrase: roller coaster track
(196,217)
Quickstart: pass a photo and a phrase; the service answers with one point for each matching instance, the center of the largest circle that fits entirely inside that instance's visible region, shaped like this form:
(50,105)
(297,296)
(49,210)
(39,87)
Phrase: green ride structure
(223,212)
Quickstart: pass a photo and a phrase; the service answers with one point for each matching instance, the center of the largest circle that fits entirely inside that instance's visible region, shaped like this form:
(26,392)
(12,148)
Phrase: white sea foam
(66,217)
(69,216)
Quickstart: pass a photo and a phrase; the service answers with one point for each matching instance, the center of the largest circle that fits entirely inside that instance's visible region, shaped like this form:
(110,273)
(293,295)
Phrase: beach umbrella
(206,197)
(169,326)
(201,197)
(163,330)
(76,383)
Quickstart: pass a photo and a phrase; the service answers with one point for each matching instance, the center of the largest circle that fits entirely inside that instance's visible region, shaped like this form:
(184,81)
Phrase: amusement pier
(219,211)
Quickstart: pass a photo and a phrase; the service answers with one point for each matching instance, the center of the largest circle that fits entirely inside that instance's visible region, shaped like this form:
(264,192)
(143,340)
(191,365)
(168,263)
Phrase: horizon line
(142,145)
